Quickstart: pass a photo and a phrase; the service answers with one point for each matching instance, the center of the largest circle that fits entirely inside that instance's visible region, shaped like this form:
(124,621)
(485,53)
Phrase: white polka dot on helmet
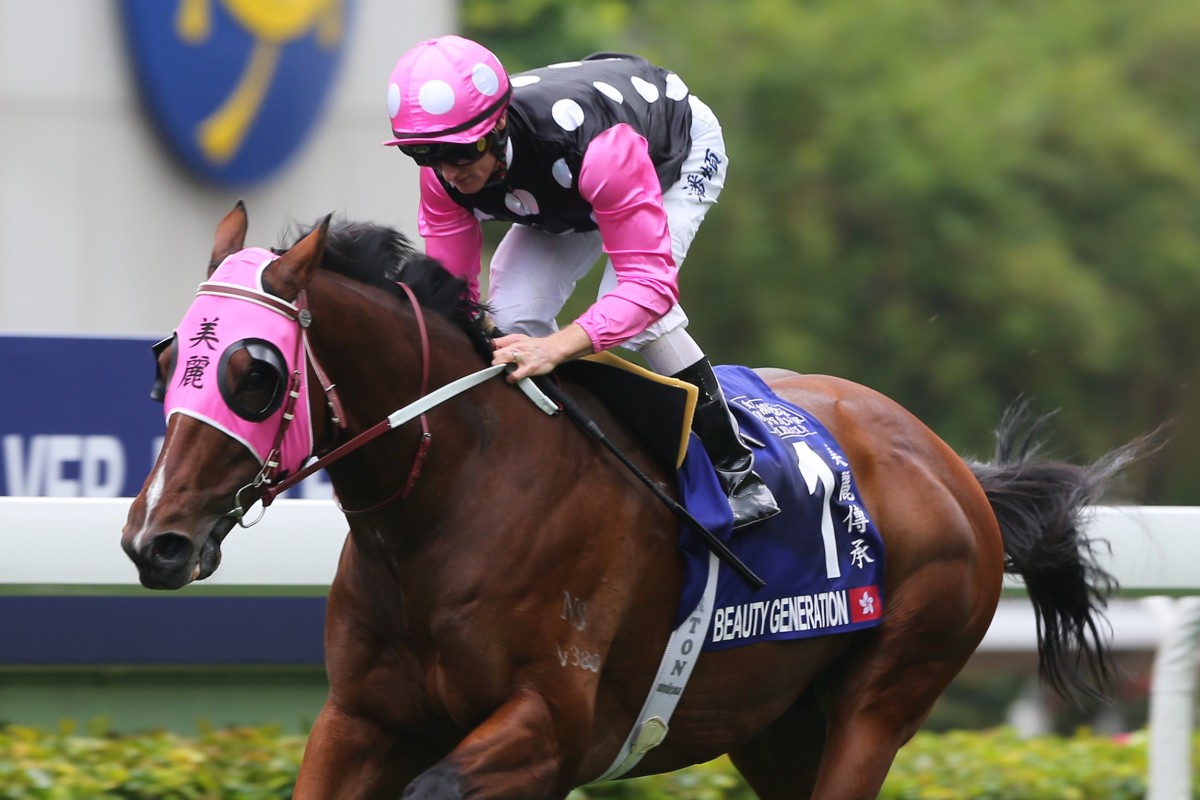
(447,89)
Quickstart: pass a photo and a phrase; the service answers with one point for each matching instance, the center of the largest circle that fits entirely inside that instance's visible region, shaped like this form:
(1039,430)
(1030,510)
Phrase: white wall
(100,230)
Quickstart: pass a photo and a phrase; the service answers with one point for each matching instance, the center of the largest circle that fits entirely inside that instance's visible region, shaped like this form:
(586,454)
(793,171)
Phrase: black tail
(1040,506)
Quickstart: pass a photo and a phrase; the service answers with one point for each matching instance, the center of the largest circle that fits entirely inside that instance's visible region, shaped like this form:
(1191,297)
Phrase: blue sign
(235,85)
(76,418)
(161,629)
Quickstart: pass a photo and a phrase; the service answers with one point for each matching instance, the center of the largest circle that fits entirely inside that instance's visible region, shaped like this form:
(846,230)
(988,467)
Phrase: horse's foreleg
(347,758)
(514,755)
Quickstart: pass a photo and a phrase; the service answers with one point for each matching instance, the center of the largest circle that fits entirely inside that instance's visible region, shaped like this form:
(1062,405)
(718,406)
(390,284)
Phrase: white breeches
(533,273)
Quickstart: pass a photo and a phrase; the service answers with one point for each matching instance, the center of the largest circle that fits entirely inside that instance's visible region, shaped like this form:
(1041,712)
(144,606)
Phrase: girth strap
(678,661)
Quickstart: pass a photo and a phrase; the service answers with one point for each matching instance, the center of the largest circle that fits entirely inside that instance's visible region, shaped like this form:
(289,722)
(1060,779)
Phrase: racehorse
(455,669)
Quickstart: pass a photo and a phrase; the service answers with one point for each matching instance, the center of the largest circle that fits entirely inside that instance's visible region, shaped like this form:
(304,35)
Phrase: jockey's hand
(539,355)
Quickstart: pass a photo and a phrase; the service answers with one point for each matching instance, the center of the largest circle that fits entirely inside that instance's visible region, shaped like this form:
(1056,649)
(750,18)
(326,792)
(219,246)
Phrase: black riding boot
(749,497)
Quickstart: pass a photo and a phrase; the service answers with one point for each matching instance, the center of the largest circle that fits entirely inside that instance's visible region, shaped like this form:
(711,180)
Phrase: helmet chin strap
(498,146)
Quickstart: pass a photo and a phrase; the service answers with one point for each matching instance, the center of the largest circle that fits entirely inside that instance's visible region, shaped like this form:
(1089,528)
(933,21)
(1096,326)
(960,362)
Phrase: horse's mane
(380,256)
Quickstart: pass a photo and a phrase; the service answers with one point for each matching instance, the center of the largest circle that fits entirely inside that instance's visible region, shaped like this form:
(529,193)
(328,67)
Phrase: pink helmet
(448,89)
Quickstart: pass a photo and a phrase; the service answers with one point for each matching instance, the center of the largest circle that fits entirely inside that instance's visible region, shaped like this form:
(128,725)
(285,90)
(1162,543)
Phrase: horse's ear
(230,236)
(292,271)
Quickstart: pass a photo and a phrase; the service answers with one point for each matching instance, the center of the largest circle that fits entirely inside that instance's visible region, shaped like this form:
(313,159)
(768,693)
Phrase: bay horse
(446,632)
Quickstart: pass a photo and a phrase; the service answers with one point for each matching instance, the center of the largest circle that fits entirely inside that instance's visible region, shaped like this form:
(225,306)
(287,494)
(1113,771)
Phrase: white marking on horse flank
(574,611)
(575,656)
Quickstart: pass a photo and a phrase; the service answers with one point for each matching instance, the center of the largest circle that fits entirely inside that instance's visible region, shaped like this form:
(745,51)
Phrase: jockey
(609,154)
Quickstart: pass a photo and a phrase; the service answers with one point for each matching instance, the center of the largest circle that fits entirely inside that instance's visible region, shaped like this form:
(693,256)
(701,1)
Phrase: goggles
(456,154)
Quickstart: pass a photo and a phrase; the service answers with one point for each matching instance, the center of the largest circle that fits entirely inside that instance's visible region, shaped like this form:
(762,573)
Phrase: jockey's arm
(619,180)
(452,233)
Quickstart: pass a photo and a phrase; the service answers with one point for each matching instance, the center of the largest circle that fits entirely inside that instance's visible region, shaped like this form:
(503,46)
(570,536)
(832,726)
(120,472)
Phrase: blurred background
(128,128)
(955,202)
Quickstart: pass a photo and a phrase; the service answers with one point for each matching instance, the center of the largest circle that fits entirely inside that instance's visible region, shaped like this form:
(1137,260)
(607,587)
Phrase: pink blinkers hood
(211,325)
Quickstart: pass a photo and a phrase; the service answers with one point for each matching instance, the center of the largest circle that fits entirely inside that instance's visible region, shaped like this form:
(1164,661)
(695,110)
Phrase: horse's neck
(376,351)
(444,446)
(495,511)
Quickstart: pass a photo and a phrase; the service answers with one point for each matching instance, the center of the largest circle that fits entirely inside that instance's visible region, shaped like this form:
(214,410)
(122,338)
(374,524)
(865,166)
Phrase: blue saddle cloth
(821,556)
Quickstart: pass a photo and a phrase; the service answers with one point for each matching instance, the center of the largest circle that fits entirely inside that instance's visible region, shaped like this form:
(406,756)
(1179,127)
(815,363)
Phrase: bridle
(265,483)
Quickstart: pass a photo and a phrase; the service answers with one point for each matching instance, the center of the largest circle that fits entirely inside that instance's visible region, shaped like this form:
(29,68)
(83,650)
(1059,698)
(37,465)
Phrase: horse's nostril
(169,550)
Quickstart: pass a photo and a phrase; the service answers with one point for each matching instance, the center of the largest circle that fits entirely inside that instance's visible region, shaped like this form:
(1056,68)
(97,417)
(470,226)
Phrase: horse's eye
(251,378)
(259,389)
(260,377)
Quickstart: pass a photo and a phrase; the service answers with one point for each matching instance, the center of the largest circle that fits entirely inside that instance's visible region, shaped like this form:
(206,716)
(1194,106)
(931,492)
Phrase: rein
(397,418)
(416,409)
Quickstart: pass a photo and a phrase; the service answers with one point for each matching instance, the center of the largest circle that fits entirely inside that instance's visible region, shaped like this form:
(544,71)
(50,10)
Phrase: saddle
(822,557)
(657,409)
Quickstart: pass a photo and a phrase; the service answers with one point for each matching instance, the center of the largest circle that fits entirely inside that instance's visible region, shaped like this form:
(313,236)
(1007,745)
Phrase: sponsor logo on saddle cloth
(214,328)
(821,557)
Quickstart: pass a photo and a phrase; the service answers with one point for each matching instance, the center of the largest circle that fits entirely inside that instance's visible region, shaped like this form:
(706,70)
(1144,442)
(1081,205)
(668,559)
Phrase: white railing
(55,544)
(49,541)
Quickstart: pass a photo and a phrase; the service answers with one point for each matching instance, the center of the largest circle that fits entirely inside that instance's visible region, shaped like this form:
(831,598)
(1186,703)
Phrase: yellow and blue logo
(236,85)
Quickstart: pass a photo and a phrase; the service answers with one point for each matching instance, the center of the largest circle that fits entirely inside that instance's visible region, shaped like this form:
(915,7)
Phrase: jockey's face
(469,178)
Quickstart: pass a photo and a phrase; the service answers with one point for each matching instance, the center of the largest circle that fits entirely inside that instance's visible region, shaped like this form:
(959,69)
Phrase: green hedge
(261,764)
(980,765)
(232,764)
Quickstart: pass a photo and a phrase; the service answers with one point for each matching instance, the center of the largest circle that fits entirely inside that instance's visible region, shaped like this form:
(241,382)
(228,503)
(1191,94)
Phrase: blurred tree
(953,201)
